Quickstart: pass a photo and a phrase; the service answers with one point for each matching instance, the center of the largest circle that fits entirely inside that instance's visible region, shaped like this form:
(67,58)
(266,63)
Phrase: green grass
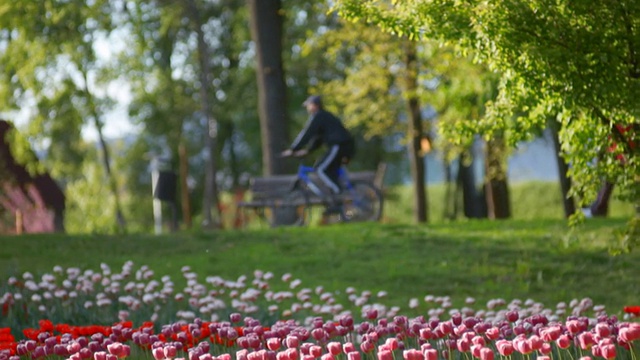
(543,260)
(531,200)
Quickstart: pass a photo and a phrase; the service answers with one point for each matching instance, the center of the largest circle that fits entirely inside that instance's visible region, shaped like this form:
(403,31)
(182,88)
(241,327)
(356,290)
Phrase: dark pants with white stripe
(328,165)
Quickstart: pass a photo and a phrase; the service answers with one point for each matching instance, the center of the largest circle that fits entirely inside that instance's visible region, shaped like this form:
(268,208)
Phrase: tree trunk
(496,187)
(184,188)
(565,181)
(474,205)
(450,209)
(210,201)
(266,31)
(106,159)
(415,134)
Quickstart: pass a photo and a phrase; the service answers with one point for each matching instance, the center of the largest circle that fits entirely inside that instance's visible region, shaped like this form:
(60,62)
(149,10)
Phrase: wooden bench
(268,192)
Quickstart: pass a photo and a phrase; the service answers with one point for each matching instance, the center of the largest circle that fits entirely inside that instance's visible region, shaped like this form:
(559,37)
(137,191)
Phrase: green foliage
(566,57)
(22,152)
(89,208)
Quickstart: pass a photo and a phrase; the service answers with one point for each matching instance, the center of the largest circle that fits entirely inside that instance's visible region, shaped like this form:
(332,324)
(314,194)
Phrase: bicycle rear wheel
(293,210)
(364,203)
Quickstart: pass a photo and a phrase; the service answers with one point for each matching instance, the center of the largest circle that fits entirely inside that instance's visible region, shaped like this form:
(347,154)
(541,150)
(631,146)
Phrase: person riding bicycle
(324,128)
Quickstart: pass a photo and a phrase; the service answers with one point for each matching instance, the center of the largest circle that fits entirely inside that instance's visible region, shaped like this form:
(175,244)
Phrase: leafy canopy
(574,61)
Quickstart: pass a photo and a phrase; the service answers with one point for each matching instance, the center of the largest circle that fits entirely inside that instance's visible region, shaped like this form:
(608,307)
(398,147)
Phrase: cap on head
(314,99)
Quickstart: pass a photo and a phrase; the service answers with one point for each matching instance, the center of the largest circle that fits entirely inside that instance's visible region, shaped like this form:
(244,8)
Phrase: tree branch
(634,71)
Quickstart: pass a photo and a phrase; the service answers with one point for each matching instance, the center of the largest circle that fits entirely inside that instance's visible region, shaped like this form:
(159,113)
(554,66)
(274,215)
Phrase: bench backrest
(276,186)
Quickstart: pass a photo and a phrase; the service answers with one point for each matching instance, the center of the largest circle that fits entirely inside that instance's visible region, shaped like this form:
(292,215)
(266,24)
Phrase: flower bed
(269,318)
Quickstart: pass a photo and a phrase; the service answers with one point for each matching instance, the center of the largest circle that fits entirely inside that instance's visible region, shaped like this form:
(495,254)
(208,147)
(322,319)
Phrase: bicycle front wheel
(364,203)
(293,210)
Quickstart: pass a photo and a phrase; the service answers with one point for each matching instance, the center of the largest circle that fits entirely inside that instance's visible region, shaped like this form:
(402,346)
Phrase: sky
(116,122)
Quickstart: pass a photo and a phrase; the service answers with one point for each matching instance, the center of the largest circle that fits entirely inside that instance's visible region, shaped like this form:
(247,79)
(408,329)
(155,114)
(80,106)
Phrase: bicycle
(360,200)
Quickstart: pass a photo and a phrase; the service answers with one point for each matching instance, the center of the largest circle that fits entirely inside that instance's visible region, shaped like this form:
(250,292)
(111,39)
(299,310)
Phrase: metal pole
(157,204)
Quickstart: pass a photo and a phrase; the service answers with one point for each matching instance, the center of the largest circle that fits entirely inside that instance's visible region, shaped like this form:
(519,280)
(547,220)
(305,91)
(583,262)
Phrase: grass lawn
(539,259)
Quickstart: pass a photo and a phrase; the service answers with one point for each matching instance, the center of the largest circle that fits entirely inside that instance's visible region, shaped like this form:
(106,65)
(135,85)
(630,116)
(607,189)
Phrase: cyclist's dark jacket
(322,127)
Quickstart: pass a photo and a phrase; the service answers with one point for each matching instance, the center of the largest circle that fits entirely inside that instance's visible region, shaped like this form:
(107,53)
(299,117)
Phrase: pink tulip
(545,349)
(596,351)
(585,358)
(492,333)
(603,330)
(385,355)
(101,355)
(225,357)
(292,341)
(630,333)
(586,340)
(487,354)
(235,317)
(348,347)
(315,351)
(505,347)
(158,353)
(392,343)
(335,348)
(552,333)
(412,354)
(460,330)
(445,327)
(319,334)
(371,314)
(478,340)
(170,351)
(114,348)
(367,346)
(327,356)
(292,354)
(85,353)
(475,350)
(563,341)
(608,351)
(574,326)
(430,354)
(536,342)
(543,357)
(73,347)
(522,345)
(426,334)
(242,355)
(463,345)
(308,357)
(512,316)
(273,344)
(354,355)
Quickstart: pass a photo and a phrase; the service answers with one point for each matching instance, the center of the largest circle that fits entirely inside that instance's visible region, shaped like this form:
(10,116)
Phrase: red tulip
(633,310)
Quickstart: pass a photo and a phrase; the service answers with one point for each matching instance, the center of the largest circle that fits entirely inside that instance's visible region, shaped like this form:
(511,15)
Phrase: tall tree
(211,135)
(49,59)
(415,132)
(266,17)
(576,59)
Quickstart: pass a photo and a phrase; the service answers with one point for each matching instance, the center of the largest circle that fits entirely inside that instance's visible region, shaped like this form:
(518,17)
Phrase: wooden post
(19,222)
